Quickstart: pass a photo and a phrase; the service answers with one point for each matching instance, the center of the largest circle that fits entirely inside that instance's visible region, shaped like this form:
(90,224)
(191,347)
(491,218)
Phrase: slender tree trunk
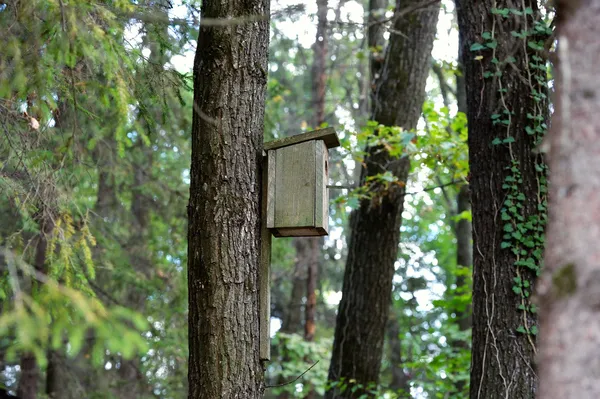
(30,377)
(569,289)
(464,260)
(506,99)
(230,76)
(373,246)
(292,318)
(319,87)
(464,232)
(400,380)
(55,379)
(310,326)
(319,80)
(29,380)
(375,42)
(464,251)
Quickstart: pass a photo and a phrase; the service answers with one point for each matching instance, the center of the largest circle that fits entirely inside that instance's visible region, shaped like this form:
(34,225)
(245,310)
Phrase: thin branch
(440,185)
(451,183)
(220,22)
(397,14)
(294,380)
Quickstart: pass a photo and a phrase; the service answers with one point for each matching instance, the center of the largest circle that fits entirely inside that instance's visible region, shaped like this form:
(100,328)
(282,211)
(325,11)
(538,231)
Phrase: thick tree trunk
(230,76)
(373,246)
(570,284)
(507,191)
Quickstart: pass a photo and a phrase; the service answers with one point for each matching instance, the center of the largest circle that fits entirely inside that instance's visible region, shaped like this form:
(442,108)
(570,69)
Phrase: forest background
(96,115)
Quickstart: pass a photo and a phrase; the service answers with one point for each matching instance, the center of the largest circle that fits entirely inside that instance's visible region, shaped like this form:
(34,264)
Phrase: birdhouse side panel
(321,193)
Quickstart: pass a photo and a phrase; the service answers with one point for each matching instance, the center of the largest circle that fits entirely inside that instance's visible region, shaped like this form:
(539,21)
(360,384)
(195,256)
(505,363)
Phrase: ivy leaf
(477,47)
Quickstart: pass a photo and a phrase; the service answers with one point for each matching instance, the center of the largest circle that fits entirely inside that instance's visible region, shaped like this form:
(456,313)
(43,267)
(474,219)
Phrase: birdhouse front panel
(297,185)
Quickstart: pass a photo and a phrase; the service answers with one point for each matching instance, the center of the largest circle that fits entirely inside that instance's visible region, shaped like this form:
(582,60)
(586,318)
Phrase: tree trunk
(569,289)
(55,378)
(464,227)
(310,326)
(373,245)
(319,87)
(400,382)
(292,318)
(29,380)
(506,100)
(319,80)
(230,76)
(464,251)
(464,259)
(375,43)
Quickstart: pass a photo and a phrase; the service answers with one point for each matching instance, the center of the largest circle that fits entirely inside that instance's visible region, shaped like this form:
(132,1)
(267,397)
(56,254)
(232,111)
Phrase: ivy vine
(522,235)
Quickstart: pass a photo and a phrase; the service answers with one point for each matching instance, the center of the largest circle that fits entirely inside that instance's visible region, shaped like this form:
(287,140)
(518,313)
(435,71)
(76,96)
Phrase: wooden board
(328,136)
(264,273)
(321,204)
(295,185)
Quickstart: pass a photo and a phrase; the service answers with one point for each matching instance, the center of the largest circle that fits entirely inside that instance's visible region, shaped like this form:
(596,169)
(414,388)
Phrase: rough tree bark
(230,76)
(569,289)
(373,246)
(503,345)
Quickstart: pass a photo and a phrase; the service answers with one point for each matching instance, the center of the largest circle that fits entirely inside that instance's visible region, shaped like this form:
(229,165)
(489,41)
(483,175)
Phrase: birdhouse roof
(328,136)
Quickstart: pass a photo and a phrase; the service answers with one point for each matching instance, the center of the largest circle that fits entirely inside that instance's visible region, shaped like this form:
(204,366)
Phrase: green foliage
(294,357)
(95,149)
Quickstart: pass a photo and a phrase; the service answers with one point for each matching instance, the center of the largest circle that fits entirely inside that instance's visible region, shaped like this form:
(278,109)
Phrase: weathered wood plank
(321,198)
(264,277)
(328,135)
(295,185)
(271,178)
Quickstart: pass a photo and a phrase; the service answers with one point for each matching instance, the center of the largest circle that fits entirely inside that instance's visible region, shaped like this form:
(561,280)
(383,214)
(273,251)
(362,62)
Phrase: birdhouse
(297,199)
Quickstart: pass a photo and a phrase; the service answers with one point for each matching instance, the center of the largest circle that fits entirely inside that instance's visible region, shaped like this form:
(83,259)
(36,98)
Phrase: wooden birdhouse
(297,200)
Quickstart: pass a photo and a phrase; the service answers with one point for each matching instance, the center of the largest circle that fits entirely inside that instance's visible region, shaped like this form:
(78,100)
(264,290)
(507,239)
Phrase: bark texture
(373,246)
(230,76)
(569,289)
(502,364)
